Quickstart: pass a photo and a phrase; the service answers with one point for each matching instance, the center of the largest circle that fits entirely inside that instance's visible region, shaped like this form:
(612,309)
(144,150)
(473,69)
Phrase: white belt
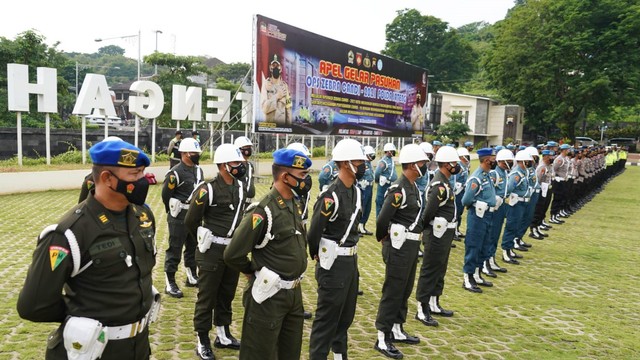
(537,190)
(558,178)
(220,240)
(492,209)
(347,251)
(413,236)
(451,225)
(290,284)
(128,331)
(525,199)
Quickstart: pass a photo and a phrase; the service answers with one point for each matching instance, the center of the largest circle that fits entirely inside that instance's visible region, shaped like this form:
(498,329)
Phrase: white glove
(498,201)
(383,180)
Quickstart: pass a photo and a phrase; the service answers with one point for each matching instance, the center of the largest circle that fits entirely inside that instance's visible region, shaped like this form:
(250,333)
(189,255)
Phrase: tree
(234,72)
(430,43)
(454,129)
(562,58)
(111,50)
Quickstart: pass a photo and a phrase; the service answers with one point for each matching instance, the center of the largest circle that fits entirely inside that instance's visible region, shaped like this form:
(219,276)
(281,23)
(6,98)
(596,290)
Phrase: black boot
(171,287)
(192,276)
(469,283)
(203,349)
(385,346)
(399,335)
(225,340)
(486,269)
(424,315)
(436,309)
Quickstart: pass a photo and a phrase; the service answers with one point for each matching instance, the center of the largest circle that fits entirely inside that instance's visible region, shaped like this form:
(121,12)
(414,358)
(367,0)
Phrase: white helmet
(389,147)
(427,148)
(504,155)
(348,149)
(242,141)
(112,138)
(300,147)
(412,153)
(189,145)
(227,153)
(463,152)
(447,154)
(369,150)
(523,155)
(532,151)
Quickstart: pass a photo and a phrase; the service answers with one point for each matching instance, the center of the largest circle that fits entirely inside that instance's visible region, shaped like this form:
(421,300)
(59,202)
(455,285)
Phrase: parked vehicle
(630,142)
(582,141)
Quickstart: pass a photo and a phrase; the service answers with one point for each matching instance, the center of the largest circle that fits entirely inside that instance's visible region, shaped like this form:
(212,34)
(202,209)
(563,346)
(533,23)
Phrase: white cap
(504,155)
(412,153)
(523,155)
(389,147)
(348,149)
(226,153)
(427,148)
(447,154)
(300,147)
(369,150)
(463,152)
(189,145)
(242,141)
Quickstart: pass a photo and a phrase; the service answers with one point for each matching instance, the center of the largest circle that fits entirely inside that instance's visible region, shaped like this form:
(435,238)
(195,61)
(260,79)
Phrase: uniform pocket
(107,253)
(265,323)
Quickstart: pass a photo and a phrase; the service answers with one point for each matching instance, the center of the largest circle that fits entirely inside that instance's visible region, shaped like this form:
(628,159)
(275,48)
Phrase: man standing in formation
(272,231)
(172,149)
(92,271)
(214,213)
(366,185)
(179,184)
(399,228)
(517,204)
(333,238)
(246,148)
(385,174)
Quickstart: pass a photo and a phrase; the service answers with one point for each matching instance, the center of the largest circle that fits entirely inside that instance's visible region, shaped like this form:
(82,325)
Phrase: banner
(309,84)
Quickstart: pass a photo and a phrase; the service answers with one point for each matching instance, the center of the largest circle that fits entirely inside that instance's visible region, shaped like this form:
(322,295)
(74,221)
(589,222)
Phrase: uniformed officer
(503,188)
(246,148)
(544,175)
(439,225)
(399,228)
(87,183)
(533,195)
(214,213)
(272,231)
(481,200)
(93,269)
(385,174)
(436,146)
(366,185)
(328,173)
(561,172)
(172,149)
(423,181)
(460,180)
(274,96)
(517,205)
(333,238)
(179,184)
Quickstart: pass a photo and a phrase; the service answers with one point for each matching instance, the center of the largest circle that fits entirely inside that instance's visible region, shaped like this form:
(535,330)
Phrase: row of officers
(91,272)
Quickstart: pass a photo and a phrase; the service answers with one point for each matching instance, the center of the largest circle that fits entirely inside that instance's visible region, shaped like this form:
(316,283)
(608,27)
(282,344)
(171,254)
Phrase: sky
(222,29)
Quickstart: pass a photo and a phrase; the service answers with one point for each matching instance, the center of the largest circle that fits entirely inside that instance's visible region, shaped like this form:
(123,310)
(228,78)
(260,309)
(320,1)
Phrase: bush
(318,152)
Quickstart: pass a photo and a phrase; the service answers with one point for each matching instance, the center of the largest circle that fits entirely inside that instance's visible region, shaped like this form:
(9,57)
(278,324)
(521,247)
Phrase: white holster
(544,188)
(84,338)
(398,235)
(265,285)
(439,226)
(481,208)
(383,180)
(155,306)
(205,238)
(458,188)
(175,206)
(328,252)
(498,202)
(513,199)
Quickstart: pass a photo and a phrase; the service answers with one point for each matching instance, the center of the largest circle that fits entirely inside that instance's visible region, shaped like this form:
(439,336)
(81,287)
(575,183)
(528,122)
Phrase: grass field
(575,295)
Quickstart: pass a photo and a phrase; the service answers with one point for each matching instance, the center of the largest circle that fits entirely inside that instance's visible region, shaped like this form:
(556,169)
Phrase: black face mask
(455,170)
(134,191)
(195,159)
(276,72)
(302,186)
(237,171)
(360,170)
(247,152)
(422,169)
(371,157)
(393,153)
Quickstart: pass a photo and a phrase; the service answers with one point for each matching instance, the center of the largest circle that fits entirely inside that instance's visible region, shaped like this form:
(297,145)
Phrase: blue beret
(118,153)
(485,152)
(565,146)
(291,158)
(522,147)
(552,143)
(546,152)
(468,143)
(499,147)
(511,147)
(437,143)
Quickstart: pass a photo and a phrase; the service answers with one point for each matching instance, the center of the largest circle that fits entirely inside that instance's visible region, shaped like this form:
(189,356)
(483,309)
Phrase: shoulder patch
(397,197)
(256,220)
(328,201)
(202,193)
(56,255)
(326,169)
(172,182)
(90,184)
(517,178)
(474,185)
(441,193)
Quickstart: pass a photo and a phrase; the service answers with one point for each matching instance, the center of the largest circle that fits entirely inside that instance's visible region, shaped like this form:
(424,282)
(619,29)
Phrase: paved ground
(575,296)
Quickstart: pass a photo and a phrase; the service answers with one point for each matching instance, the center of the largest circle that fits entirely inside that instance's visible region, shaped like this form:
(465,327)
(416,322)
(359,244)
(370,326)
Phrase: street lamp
(155,71)
(127,37)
